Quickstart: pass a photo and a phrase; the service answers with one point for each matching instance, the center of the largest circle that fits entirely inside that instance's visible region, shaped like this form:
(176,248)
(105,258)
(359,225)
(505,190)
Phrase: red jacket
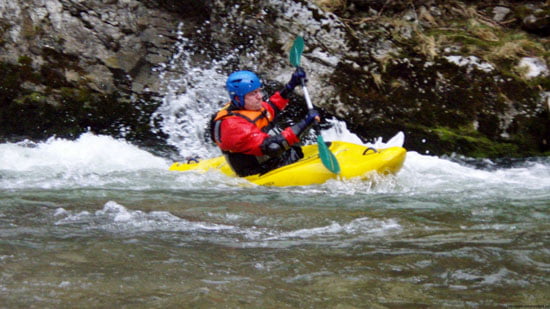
(239,135)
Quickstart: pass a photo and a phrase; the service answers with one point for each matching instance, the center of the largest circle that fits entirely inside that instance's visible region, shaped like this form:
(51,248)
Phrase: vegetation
(426,96)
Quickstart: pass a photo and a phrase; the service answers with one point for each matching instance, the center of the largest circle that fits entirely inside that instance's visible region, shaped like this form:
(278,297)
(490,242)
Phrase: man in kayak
(241,127)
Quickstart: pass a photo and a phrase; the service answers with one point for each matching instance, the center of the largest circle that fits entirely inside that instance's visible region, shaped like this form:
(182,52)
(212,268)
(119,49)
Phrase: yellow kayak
(355,161)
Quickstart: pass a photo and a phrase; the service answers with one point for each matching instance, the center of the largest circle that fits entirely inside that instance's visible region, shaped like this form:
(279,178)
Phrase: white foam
(431,173)
(89,153)
(357,226)
(339,132)
(116,217)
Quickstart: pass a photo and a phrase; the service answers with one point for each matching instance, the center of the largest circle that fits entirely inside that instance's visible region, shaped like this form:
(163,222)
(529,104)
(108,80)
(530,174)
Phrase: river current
(98,222)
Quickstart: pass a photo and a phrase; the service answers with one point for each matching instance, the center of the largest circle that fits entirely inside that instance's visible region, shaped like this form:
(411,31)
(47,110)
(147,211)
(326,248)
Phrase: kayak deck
(355,161)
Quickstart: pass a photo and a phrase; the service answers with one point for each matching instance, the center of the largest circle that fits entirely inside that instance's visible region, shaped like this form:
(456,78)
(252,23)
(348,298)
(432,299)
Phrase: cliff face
(452,73)
(454,76)
(71,66)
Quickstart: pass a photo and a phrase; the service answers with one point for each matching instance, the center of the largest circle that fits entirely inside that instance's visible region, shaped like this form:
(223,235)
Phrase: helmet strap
(237,101)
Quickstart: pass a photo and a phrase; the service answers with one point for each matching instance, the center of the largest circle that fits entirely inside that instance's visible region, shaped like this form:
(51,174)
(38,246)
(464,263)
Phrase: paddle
(327,157)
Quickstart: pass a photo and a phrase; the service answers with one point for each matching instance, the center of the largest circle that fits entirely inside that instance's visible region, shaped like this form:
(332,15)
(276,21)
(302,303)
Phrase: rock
(533,67)
(82,54)
(100,79)
(539,24)
(430,69)
(536,18)
(500,13)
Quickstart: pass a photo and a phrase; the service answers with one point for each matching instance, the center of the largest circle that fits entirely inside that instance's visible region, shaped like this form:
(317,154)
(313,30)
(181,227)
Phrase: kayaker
(241,127)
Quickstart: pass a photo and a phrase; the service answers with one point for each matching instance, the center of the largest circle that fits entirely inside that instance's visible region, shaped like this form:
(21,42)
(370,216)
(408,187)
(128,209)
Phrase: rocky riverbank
(456,76)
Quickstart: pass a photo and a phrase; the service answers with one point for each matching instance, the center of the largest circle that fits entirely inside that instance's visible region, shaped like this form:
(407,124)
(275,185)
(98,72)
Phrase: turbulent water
(98,222)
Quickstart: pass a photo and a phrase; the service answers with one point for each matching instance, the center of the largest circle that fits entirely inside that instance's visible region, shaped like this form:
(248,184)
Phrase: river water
(98,222)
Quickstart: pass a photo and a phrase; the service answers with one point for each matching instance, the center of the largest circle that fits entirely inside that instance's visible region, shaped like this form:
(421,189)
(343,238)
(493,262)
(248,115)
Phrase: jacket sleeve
(278,103)
(281,102)
(241,136)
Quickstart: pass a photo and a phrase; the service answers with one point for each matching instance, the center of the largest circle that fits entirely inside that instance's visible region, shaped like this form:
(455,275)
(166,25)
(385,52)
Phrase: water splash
(89,153)
(89,161)
(192,97)
(115,218)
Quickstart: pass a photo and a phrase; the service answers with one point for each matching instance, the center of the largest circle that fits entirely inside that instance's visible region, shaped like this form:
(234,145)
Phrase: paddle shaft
(327,157)
(310,106)
(306,95)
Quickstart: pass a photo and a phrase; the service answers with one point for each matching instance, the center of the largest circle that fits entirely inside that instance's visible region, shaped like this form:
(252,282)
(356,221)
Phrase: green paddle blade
(296,51)
(327,157)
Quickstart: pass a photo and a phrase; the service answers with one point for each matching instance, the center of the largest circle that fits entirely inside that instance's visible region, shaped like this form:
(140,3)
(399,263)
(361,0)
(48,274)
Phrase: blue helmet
(240,83)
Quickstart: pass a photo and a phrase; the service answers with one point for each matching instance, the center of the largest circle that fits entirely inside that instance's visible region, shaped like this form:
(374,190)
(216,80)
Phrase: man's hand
(296,79)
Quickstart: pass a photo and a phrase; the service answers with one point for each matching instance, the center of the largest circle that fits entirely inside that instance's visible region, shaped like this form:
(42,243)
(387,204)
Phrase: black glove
(311,116)
(306,123)
(274,146)
(296,79)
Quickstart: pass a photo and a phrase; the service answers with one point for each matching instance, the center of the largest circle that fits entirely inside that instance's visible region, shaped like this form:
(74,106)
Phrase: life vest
(242,164)
(261,119)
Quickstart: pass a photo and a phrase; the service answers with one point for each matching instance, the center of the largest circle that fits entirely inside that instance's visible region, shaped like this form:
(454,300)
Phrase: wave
(105,162)
(115,218)
(89,153)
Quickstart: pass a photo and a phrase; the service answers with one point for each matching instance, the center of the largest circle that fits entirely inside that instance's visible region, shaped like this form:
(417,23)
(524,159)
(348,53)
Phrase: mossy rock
(477,145)
(67,110)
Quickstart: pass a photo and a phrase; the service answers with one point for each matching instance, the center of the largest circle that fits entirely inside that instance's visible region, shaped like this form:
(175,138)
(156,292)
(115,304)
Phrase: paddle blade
(296,51)
(327,157)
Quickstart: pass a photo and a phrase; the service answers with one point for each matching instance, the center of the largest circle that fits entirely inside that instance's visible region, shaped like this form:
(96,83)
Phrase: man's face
(253,100)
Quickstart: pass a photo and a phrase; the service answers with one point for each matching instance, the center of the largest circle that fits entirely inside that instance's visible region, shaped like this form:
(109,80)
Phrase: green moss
(25,60)
(76,95)
(505,49)
(479,145)
(34,97)
(468,37)
(543,82)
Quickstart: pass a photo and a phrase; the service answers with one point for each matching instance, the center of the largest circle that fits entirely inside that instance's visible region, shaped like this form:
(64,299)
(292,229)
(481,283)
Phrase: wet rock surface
(451,75)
